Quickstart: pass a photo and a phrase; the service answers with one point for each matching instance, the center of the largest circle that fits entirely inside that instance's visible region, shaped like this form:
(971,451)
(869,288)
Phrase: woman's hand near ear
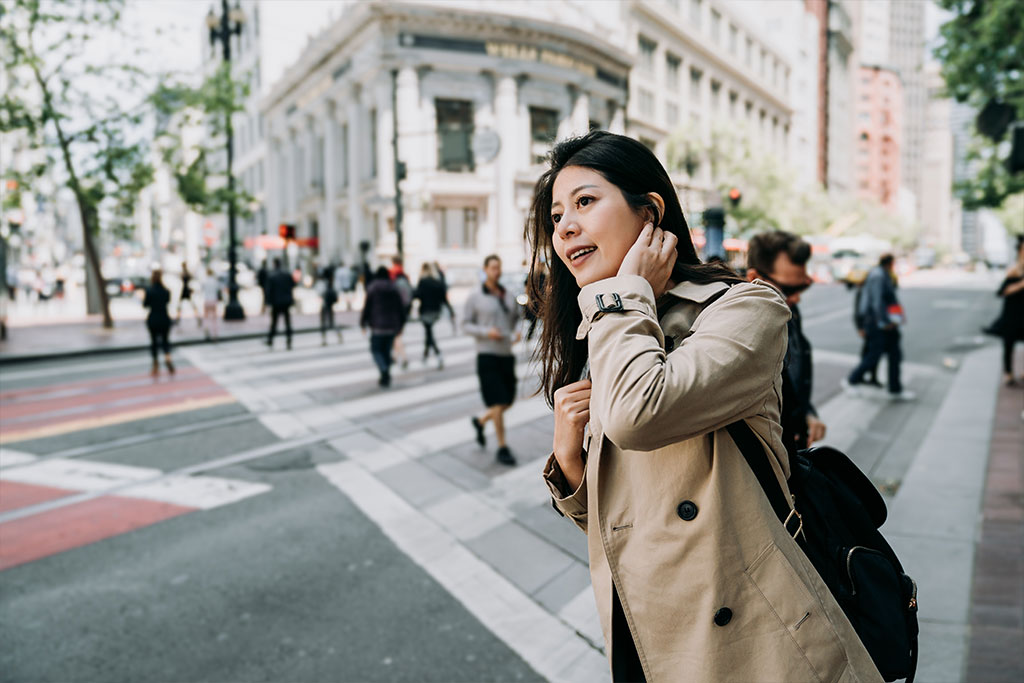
(652,257)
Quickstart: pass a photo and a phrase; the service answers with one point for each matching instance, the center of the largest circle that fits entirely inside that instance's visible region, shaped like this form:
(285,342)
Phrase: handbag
(835,518)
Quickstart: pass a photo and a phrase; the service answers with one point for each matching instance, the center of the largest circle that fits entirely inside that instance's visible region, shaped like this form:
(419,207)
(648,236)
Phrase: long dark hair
(630,166)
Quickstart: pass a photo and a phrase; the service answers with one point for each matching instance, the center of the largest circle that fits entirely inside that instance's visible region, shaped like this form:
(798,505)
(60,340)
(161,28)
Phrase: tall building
(835,44)
(940,214)
(906,55)
(879,107)
(962,121)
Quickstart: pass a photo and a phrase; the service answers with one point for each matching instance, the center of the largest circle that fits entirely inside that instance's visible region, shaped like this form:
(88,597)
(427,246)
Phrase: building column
(354,144)
(581,113)
(617,124)
(509,227)
(329,247)
(385,131)
(418,245)
(273,189)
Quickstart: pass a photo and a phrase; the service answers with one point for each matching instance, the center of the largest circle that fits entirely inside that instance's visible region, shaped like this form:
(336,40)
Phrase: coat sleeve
(572,504)
(725,371)
(364,317)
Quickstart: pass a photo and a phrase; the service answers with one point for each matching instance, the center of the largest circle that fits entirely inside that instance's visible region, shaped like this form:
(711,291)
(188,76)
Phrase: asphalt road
(289,579)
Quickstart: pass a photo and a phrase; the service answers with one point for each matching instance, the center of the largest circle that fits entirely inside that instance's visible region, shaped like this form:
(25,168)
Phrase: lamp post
(222,28)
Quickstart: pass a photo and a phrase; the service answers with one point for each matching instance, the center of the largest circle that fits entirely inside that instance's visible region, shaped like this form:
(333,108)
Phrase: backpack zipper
(849,568)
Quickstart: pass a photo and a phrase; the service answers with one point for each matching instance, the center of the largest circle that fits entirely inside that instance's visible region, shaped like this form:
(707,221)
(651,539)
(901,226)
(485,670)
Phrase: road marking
(182,406)
(65,369)
(11,458)
(549,645)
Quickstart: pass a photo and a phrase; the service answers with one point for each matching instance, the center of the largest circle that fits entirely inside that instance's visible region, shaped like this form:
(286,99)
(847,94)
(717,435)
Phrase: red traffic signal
(286,231)
(735,196)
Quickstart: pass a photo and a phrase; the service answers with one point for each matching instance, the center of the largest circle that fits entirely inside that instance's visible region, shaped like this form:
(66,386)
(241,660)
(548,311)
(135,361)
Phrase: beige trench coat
(675,518)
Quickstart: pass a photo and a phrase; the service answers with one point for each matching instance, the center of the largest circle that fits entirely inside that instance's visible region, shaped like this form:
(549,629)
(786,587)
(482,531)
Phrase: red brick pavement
(997,598)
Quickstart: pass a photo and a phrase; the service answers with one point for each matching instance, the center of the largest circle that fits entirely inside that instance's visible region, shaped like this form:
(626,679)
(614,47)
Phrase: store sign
(530,53)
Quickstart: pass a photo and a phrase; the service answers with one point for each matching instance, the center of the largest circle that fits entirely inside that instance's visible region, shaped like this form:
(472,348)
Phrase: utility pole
(399,165)
(228,24)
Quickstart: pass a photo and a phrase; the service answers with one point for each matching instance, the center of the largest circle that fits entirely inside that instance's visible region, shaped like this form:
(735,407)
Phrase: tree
(65,108)
(202,185)
(982,55)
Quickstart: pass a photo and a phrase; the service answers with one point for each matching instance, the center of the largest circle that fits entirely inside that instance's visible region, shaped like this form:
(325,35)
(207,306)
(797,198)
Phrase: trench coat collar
(691,291)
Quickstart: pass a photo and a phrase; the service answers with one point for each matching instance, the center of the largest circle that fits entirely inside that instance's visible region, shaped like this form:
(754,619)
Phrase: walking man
(882,315)
(280,284)
(492,318)
(383,313)
(780,258)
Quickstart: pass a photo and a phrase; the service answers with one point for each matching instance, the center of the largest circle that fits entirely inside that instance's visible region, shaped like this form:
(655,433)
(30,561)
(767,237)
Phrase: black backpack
(835,520)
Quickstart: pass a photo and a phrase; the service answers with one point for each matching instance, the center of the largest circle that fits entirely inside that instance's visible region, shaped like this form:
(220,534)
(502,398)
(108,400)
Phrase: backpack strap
(757,459)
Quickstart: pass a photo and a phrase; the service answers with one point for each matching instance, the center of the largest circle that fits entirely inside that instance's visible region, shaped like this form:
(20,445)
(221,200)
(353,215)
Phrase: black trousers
(429,341)
(159,339)
(1008,344)
(626,666)
(326,318)
(275,313)
(881,342)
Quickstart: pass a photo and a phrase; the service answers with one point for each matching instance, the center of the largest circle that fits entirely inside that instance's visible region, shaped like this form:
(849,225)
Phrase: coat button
(687,510)
(723,616)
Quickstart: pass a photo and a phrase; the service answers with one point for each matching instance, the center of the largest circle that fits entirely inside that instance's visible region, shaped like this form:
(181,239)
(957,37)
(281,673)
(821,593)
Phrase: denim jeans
(881,342)
(380,349)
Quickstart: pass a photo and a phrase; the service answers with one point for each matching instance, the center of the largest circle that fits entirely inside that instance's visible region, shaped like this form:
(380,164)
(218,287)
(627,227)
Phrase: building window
(457,227)
(695,76)
(341,154)
(716,25)
(696,10)
(454,135)
(734,98)
(716,94)
(734,39)
(749,107)
(749,56)
(648,143)
(764,62)
(373,143)
(645,99)
(543,131)
(671,114)
(647,48)
(672,64)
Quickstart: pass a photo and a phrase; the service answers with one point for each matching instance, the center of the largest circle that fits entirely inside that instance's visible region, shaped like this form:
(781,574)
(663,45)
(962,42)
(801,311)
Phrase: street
(273,515)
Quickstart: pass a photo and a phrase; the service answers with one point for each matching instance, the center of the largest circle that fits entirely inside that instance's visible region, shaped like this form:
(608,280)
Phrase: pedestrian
(345,279)
(262,279)
(444,281)
(780,258)
(492,318)
(871,376)
(186,294)
(328,297)
(383,314)
(647,355)
(883,314)
(401,280)
(433,297)
(280,296)
(1011,326)
(211,296)
(158,321)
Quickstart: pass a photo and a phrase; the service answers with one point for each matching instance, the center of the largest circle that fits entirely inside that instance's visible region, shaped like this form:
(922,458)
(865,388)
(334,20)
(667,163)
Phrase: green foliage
(179,106)
(58,109)
(982,55)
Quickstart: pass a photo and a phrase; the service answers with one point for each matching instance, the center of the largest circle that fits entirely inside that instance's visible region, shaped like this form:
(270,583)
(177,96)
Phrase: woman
(695,578)
(186,294)
(433,296)
(211,295)
(158,321)
(1011,322)
(328,297)
(384,314)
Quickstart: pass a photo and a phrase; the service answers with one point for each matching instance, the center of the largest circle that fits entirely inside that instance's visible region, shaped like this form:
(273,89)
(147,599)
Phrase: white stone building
(481,94)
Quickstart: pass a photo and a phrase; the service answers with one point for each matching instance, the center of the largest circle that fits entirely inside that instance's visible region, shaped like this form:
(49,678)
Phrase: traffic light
(1015,162)
(735,196)
(286,231)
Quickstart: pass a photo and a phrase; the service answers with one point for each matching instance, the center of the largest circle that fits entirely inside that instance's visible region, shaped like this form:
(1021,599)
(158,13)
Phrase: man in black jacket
(279,295)
(780,258)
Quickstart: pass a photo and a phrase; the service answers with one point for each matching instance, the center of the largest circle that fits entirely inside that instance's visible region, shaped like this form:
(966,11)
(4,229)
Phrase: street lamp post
(228,24)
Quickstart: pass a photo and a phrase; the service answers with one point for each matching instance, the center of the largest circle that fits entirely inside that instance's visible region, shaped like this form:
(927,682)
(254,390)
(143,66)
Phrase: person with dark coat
(328,297)
(432,294)
(1011,322)
(280,284)
(158,321)
(780,258)
(262,278)
(384,314)
(186,294)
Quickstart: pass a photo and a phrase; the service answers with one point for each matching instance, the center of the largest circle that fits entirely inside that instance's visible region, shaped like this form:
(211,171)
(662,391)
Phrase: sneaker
(505,456)
(385,381)
(902,396)
(851,390)
(479,427)
(440,363)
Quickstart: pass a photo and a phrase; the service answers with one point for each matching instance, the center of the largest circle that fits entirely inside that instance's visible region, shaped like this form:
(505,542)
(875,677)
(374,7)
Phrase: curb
(15,359)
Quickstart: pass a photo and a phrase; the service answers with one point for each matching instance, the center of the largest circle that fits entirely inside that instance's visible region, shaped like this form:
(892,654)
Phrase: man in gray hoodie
(492,318)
